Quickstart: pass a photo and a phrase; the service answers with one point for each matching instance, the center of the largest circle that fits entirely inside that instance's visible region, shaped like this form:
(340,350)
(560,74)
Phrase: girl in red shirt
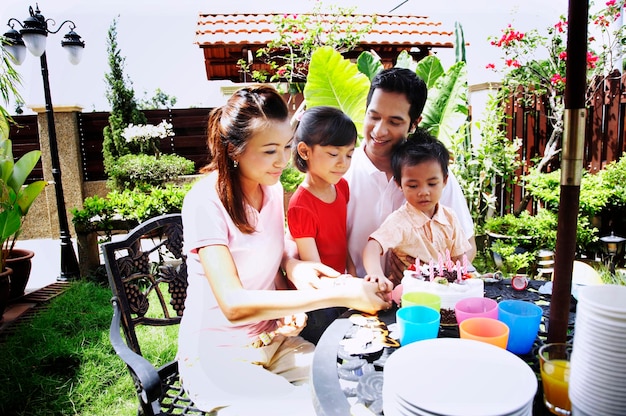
(325,140)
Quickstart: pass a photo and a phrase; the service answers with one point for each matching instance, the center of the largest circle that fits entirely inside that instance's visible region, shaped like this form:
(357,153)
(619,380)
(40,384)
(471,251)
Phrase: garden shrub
(135,207)
(142,171)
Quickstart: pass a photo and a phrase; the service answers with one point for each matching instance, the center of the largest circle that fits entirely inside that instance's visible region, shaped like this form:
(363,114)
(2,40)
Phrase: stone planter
(5,289)
(20,261)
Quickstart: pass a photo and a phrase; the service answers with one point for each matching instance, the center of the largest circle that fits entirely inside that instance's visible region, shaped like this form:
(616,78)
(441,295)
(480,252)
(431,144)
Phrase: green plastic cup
(422,298)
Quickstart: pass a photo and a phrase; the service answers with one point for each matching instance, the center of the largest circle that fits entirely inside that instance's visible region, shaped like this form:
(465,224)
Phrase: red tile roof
(225,38)
(258,29)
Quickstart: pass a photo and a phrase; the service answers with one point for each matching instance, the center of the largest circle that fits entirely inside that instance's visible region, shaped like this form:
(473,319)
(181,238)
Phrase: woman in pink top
(236,351)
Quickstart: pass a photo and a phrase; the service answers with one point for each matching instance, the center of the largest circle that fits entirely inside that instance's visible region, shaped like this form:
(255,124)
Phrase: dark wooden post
(571,169)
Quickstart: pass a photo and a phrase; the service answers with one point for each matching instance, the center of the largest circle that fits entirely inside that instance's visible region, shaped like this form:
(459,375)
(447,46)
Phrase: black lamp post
(613,248)
(32,36)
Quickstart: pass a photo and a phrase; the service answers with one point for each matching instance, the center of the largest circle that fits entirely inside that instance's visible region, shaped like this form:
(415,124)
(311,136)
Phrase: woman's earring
(235,163)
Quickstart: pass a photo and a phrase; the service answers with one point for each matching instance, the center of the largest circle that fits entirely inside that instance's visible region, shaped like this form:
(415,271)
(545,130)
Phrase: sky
(156,38)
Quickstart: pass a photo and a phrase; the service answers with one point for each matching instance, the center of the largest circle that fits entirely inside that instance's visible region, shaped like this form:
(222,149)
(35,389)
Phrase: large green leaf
(6,169)
(28,194)
(4,126)
(447,107)
(6,160)
(10,223)
(369,64)
(337,82)
(23,167)
(430,70)
(405,60)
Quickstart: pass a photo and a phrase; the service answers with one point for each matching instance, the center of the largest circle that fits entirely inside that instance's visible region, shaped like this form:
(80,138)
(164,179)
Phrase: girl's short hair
(322,126)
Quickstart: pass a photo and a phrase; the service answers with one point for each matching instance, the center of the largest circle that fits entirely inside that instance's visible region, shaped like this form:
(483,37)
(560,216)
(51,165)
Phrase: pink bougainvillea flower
(601,21)
(509,35)
(513,62)
(591,60)
(490,66)
(610,3)
(557,80)
(560,26)
(563,56)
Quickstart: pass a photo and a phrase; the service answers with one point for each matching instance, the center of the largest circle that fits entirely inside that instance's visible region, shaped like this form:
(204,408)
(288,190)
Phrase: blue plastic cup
(417,323)
(523,319)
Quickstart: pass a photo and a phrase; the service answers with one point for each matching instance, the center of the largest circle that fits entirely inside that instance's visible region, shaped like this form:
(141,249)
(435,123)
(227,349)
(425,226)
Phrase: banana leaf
(447,108)
(335,81)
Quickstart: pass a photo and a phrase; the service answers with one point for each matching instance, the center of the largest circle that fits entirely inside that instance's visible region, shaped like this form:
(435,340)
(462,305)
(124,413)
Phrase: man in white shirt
(394,106)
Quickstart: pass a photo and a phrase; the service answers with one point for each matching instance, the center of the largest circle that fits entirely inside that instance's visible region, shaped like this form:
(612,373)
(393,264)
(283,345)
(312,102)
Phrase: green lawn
(61,362)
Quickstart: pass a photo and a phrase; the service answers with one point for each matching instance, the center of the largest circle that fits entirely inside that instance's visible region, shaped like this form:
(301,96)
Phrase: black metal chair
(147,273)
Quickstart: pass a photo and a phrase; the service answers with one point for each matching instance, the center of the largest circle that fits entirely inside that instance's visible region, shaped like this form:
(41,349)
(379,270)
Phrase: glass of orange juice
(555,369)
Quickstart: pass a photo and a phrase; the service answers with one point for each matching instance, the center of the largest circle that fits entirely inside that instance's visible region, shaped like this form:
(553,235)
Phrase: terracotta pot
(5,288)
(20,261)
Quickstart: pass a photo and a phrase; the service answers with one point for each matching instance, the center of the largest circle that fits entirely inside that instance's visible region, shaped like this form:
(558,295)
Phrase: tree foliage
(121,97)
(298,35)
(159,100)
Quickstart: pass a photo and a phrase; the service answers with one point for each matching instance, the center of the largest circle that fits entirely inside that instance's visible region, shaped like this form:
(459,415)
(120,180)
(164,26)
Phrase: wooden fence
(604,132)
(189,138)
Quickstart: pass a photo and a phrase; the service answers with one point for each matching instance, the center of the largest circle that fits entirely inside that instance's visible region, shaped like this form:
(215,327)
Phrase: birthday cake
(451,281)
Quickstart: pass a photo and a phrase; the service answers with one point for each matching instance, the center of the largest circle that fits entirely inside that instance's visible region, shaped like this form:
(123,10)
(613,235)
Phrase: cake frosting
(451,281)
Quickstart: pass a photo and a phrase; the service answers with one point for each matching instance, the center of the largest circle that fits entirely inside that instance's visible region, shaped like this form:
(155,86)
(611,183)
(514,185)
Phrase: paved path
(46,267)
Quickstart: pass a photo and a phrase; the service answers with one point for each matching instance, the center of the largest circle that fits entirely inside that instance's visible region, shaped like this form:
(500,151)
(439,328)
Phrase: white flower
(147,132)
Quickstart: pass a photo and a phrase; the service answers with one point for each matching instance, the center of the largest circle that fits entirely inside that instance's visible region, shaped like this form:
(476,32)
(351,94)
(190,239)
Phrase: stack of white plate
(452,376)
(597,383)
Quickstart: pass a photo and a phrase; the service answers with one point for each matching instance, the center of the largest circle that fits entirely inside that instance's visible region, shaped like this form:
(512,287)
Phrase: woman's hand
(292,325)
(367,296)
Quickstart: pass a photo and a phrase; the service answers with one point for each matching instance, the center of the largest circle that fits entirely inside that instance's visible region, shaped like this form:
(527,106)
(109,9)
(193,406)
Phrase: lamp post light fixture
(32,36)
(613,247)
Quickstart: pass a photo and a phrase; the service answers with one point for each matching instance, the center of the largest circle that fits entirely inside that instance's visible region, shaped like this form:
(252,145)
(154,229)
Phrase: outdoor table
(332,397)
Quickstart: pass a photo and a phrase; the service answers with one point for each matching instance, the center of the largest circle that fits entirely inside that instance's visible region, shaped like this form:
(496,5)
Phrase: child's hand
(384,285)
(396,265)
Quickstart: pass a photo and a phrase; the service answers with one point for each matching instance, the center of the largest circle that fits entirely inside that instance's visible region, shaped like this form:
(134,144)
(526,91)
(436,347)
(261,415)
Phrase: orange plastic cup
(487,330)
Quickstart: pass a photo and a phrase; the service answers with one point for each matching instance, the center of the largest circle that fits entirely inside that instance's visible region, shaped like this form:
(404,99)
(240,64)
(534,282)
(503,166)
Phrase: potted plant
(15,201)
(515,240)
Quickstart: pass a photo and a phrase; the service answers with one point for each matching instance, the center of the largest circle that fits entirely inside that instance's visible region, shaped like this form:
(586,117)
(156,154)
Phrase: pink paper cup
(486,330)
(475,308)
